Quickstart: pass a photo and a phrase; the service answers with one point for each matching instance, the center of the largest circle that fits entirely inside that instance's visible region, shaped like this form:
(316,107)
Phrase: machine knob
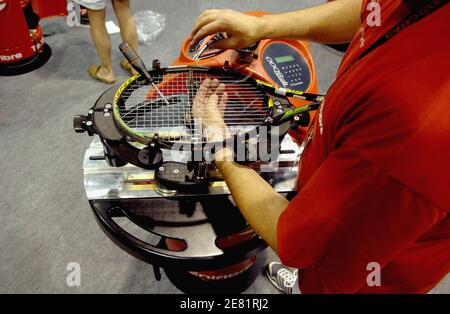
(253,46)
(156,64)
(150,157)
(201,170)
(79,124)
(301,120)
(246,55)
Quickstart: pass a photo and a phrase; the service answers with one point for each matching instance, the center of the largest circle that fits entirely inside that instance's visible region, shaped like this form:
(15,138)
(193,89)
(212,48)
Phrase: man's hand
(208,110)
(242,30)
(332,22)
(259,203)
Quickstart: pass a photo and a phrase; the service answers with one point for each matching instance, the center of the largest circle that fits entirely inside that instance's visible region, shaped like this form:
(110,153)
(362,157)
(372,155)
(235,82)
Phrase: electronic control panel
(286,66)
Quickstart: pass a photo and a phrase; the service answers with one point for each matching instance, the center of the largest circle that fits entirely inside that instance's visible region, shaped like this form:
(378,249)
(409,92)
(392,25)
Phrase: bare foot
(133,71)
(127,67)
(106,73)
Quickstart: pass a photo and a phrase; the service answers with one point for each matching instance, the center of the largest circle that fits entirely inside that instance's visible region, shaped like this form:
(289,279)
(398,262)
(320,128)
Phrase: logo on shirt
(321,117)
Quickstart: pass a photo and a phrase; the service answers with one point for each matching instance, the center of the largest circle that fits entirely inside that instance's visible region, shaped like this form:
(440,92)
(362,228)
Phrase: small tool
(216,38)
(137,63)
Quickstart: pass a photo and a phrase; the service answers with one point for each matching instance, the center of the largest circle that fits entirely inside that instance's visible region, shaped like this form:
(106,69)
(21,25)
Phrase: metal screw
(106,110)
(107,114)
(89,123)
(161,169)
(279,110)
(296,118)
(108,106)
(91,111)
(277,103)
(176,171)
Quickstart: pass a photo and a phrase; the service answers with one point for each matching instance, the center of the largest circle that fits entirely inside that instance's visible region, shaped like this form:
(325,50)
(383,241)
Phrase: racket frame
(287,109)
(123,145)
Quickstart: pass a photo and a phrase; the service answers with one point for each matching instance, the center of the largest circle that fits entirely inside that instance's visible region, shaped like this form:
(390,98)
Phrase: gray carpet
(45,218)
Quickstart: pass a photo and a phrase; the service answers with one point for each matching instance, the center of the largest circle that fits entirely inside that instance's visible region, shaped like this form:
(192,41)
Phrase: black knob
(79,124)
(150,157)
(301,120)
(156,64)
(253,46)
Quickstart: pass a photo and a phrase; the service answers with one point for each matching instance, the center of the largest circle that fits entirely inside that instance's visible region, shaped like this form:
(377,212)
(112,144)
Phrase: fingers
(223,103)
(208,29)
(206,89)
(200,97)
(211,97)
(212,87)
(202,92)
(204,19)
(225,44)
(215,127)
(213,100)
(220,89)
(223,98)
(209,110)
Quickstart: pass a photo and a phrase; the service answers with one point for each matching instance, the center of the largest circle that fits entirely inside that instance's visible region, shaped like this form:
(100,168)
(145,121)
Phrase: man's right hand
(242,30)
(332,22)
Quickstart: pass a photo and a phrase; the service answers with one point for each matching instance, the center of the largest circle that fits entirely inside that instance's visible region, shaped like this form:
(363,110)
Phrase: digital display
(284,59)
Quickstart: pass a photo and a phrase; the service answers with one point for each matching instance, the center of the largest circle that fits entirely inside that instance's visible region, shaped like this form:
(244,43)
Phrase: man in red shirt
(374,185)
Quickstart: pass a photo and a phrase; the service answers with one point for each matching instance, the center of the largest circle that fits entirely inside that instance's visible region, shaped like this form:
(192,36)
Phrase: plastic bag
(149,25)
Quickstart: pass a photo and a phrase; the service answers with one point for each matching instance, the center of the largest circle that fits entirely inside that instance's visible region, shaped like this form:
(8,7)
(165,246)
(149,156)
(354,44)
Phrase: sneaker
(282,277)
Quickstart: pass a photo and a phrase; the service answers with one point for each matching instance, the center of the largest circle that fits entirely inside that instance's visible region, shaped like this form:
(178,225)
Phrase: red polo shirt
(375,179)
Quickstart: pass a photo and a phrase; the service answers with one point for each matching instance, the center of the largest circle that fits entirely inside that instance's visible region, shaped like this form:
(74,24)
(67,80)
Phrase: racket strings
(143,111)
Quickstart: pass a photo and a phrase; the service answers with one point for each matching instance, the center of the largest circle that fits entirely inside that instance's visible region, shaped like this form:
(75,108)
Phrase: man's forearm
(258,202)
(333,22)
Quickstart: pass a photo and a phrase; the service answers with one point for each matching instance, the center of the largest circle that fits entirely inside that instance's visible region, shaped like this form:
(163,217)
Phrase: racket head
(141,113)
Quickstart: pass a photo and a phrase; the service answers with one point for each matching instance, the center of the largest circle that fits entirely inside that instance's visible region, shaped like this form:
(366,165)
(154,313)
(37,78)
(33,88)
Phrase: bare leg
(127,23)
(102,43)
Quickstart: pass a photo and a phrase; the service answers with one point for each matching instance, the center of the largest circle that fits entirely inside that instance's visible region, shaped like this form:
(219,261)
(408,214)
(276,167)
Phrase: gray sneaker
(282,277)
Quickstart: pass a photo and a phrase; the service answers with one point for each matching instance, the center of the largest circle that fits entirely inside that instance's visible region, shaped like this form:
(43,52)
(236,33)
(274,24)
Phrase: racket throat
(183,177)
(200,169)
(152,155)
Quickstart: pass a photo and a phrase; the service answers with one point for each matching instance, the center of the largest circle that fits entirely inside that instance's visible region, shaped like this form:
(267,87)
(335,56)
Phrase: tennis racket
(158,105)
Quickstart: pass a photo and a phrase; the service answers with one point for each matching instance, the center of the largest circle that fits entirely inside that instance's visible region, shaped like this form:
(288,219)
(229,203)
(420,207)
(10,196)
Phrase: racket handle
(135,61)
